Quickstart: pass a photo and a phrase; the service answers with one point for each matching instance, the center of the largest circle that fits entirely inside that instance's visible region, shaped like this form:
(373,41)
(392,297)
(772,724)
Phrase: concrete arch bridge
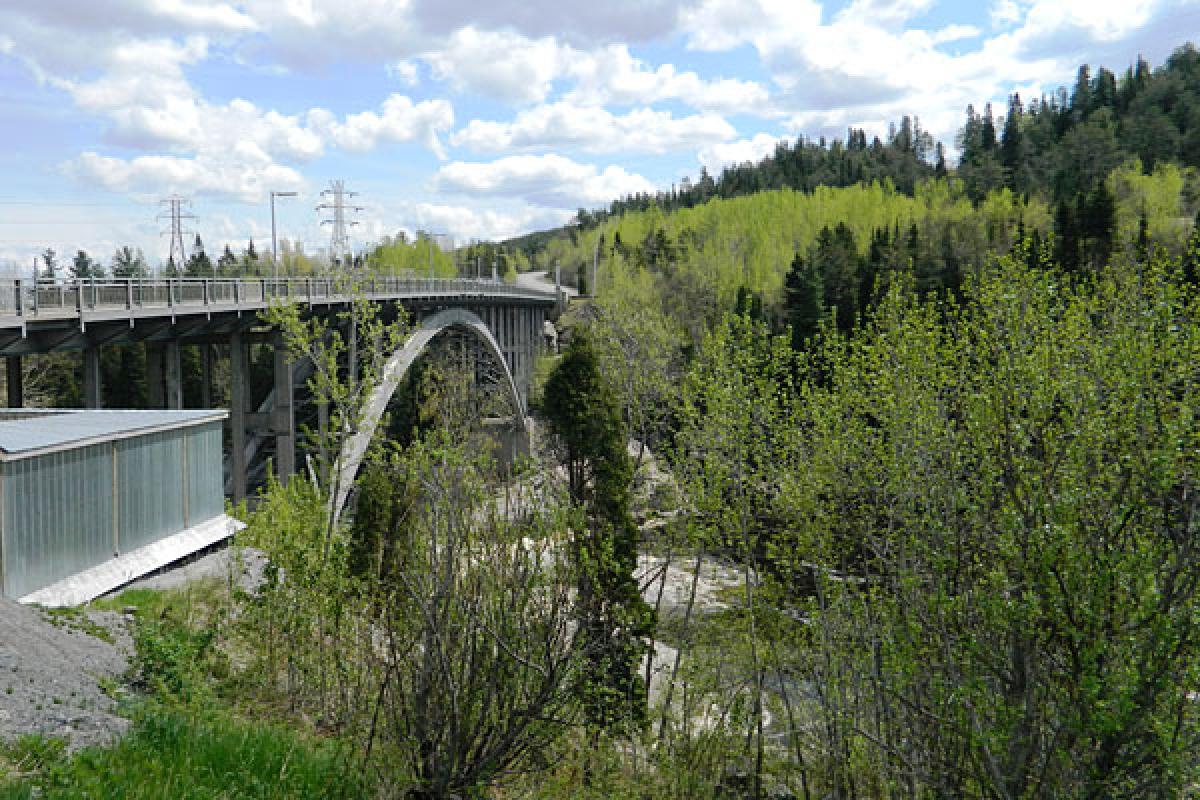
(244,362)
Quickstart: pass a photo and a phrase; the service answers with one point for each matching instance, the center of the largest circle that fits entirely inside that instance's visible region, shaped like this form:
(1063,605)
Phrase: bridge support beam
(206,355)
(174,375)
(283,418)
(239,391)
(155,364)
(93,391)
(15,379)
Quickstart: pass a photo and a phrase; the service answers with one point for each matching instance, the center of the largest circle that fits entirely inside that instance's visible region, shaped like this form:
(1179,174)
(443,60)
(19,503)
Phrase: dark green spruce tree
(583,415)
(802,297)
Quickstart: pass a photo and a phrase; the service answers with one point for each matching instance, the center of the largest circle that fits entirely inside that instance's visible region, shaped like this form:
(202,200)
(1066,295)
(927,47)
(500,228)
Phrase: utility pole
(339,239)
(176,214)
(431,236)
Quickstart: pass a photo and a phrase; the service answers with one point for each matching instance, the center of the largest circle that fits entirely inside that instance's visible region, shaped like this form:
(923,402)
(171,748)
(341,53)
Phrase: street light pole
(432,236)
(274,243)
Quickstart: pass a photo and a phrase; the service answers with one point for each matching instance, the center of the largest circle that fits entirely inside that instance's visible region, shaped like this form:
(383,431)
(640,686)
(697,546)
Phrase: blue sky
(480,120)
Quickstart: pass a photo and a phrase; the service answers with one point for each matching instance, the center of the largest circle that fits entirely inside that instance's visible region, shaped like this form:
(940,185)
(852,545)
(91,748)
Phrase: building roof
(25,432)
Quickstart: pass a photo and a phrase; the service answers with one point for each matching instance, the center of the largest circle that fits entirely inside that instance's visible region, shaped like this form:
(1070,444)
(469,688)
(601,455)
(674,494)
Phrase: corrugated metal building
(92,499)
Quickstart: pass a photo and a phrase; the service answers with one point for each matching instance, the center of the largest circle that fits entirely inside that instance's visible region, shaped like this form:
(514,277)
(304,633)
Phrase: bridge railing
(50,298)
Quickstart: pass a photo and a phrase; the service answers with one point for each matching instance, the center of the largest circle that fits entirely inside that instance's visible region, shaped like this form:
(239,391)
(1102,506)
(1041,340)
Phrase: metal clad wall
(57,516)
(150,488)
(206,490)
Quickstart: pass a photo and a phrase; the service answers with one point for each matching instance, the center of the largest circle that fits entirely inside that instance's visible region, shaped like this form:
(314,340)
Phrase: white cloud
(309,35)
(547,180)
(1004,13)
(501,65)
(885,13)
(244,175)
(614,76)
(404,71)
(464,223)
(581,23)
(716,156)
(954,33)
(401,120)
(234,150)
(594,130)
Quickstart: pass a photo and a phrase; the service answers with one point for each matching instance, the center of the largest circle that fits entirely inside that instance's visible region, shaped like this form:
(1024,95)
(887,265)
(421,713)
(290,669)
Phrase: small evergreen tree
(50,264)
(583,415)
(802,301)
(199,265)
(84,267)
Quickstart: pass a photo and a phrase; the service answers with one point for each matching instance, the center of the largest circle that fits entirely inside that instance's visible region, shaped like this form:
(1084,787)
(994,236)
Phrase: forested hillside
(1087,165)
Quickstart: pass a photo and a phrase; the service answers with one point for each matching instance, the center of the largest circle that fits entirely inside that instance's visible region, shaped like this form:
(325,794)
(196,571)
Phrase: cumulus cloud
(547,180)
(502,65)
(594,130)
(465,223)
(716,156)
(404,71)
(309,35)
(240,158)
(244,175)
(870,62)
(582,23)
(400,120)
(614,76)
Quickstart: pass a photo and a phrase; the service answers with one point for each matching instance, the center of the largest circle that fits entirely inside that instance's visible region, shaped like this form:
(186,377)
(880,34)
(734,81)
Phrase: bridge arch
(451,319)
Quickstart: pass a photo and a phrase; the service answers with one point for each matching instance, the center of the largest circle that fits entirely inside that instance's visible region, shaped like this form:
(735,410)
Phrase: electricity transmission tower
(176,213)
(339,239)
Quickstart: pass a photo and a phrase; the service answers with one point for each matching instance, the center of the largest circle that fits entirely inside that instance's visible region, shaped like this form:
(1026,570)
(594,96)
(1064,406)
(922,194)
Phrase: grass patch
(76,619)
(173,755)
(197,602)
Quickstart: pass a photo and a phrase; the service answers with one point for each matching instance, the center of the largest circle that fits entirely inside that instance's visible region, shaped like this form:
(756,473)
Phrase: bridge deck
(23,303)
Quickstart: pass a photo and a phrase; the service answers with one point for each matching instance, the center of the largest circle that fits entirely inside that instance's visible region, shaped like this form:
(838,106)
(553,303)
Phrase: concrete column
(174,375)
(155,394)
(239,391)
(15,378)
(206,375)
(283,421)
(509,349)
(93,393)
(526,355)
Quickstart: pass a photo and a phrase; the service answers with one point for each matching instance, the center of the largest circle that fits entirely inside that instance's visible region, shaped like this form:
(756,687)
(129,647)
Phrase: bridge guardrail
(48,298)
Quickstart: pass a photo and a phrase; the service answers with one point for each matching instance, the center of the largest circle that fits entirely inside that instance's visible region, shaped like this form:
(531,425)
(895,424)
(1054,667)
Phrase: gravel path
(52,666)
(243,564)
(50,671)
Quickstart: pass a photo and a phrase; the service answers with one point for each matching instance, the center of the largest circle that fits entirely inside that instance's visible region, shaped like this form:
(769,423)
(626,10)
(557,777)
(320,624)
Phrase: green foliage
(584,418)
(695,260)
(985,511)
(421,257)
(172,755)
(169,658)
(1061,147)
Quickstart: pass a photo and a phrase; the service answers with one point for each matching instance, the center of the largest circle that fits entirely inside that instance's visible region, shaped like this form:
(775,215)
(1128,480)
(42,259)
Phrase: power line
(339,240)
(177,215)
